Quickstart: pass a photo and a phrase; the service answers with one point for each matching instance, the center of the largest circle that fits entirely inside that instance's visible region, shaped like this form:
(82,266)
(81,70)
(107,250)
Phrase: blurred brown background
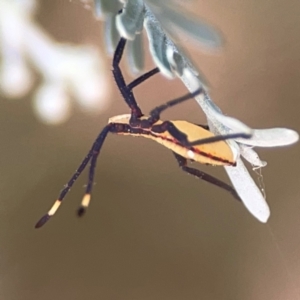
(153,232)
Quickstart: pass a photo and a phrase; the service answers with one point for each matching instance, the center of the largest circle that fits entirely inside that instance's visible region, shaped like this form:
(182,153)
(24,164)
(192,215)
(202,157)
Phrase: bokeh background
(153,232)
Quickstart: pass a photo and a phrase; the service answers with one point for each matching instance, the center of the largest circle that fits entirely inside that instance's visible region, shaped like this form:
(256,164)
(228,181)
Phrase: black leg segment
(219,138)
(96,146)
(142,78)
(126,93)
(155,113)
(95,153)
(182,162)
(171,128)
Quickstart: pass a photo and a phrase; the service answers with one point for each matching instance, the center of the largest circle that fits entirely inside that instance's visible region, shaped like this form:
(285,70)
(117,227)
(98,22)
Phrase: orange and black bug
(187,141)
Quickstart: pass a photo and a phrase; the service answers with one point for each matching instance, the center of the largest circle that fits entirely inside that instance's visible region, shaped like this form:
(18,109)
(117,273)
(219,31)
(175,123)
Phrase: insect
(186,140)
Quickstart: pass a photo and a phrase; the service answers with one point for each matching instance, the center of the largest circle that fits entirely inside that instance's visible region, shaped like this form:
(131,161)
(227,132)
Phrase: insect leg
(182,162)
(183,139)
(126,93)
(88,191)
(142,78)
(218,138)
(155,113)
(115,128)
(97,145)
(171,128)
(87,196)
(167,125)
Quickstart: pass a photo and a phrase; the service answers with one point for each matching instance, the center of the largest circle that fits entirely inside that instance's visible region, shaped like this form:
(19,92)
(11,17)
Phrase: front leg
(119,78)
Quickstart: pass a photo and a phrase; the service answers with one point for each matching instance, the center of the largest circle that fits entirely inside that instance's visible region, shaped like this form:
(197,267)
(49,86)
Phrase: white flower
(160,19)
(67,71)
